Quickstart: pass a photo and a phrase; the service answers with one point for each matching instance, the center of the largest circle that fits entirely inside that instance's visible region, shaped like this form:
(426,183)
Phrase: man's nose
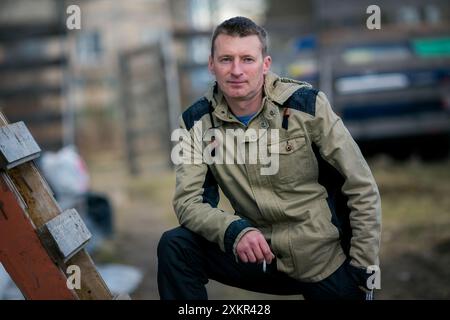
(236,69)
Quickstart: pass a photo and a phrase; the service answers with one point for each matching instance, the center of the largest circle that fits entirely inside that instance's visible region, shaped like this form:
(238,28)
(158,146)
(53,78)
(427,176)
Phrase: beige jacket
(322,206)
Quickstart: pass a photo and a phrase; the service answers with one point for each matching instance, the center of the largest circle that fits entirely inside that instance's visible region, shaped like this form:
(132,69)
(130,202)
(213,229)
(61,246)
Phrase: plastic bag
(66,172)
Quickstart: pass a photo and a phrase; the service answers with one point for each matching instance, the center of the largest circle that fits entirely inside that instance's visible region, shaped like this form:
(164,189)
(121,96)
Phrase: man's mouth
(236,82)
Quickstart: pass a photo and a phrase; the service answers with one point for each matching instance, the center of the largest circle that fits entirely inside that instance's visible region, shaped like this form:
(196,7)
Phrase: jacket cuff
(233,231)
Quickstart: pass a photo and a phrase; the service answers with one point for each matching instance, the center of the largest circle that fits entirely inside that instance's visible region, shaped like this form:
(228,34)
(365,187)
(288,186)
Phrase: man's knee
(173,240)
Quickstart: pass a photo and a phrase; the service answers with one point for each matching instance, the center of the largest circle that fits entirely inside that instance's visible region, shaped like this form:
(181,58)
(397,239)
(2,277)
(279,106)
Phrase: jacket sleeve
(197,196)
(339,149)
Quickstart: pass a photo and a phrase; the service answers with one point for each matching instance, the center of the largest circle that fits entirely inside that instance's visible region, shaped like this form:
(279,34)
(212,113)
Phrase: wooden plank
(128,113)
(21,79)
(22,106)
(22,254)
(17,145)
(189,33)
(21,32)
(41,118)
(34,90)
(65,235)
(144,50)
(41,208)
(33,64)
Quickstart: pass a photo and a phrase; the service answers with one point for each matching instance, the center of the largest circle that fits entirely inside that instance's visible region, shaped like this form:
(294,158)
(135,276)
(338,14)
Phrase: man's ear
(266,64)
(211,65)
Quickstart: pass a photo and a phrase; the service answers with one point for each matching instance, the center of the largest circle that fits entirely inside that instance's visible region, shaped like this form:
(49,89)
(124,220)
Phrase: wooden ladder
(38,242)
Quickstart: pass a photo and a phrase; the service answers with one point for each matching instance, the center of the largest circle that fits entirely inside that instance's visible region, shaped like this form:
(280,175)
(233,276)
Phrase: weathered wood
(41,208)
(17,145)
(34,90)
(143,97)
(45,117)
(65,235)
(22,254)
(33,64)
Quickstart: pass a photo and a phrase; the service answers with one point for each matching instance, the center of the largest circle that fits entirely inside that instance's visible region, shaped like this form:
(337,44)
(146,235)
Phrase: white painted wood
(68,232)
(17,145)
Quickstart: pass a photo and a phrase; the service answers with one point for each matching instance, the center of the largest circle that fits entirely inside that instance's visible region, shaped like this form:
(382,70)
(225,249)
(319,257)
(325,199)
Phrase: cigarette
(264,265)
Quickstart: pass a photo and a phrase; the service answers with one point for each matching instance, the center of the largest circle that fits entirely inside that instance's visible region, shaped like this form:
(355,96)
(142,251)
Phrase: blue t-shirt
(245,119)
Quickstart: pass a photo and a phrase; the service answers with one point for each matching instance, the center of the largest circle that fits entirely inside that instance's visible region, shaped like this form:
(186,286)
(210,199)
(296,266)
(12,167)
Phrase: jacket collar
(279,89)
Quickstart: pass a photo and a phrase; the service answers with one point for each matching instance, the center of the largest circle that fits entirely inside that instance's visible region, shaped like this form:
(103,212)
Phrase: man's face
(239,66)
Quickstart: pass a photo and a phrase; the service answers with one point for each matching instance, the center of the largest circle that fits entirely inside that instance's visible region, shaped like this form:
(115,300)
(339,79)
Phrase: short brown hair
(240,27)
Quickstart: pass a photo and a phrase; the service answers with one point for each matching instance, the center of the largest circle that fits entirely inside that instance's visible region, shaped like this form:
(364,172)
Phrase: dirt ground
(415,251)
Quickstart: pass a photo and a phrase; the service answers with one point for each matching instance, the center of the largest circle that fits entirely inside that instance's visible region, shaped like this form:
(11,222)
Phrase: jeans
(186,261)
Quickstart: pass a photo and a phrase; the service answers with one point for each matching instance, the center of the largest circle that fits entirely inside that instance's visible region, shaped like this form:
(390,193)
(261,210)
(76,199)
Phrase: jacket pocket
(294,159)
(314,242)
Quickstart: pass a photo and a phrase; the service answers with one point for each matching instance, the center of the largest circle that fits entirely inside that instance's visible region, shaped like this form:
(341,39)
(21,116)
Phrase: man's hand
(252,247)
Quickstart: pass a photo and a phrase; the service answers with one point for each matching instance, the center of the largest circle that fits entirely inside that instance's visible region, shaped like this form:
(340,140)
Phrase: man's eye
(248,60)
(225,60)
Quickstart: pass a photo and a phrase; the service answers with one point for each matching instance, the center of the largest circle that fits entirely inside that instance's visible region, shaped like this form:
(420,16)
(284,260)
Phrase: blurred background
(101,101)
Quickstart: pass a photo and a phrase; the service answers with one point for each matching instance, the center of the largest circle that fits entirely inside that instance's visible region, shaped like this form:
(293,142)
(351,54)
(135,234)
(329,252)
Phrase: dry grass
(415,251)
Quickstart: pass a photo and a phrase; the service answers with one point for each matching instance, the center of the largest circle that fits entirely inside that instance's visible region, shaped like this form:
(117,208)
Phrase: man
(311,227)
